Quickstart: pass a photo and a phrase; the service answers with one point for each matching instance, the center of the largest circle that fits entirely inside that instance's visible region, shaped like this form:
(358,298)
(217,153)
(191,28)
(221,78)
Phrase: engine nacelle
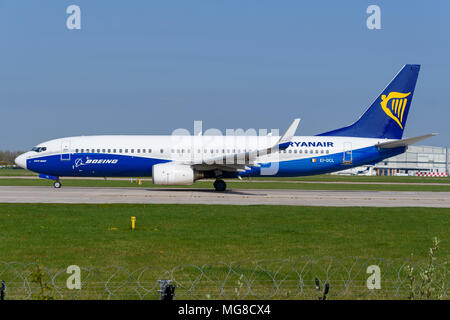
(173,174)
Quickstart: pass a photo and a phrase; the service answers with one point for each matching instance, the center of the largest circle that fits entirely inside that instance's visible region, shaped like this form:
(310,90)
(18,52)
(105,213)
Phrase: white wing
(243,161)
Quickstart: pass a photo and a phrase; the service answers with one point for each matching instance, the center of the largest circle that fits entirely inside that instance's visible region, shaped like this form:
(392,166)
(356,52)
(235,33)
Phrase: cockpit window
(39,149)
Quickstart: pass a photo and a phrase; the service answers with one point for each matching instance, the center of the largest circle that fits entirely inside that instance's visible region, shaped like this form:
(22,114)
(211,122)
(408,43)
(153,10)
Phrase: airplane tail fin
(386,117)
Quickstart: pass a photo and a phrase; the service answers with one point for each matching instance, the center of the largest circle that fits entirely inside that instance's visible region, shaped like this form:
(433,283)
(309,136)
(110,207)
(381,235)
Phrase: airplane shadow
(206,191)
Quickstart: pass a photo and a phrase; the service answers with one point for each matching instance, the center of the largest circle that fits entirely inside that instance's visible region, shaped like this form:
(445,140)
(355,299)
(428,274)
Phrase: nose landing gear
(57,184)
(220,185)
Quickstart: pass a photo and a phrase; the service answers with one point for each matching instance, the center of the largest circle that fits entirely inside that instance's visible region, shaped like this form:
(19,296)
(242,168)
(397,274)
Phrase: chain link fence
(264,279)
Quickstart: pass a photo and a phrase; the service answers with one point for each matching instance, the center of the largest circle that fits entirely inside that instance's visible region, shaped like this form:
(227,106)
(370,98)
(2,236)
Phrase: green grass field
(5,172)
(167,236)
(178,234)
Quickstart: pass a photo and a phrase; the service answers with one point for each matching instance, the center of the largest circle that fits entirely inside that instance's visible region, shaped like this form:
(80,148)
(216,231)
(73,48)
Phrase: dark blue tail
(386,117)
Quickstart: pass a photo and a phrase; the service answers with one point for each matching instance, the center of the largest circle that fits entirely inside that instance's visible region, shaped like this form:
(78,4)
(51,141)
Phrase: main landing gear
(220,185)
(57,184)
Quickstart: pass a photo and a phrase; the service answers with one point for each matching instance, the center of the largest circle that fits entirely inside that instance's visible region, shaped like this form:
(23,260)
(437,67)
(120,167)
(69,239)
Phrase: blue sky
(148,67)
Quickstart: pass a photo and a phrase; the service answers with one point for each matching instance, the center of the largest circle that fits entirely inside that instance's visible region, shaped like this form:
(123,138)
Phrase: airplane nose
(21,161)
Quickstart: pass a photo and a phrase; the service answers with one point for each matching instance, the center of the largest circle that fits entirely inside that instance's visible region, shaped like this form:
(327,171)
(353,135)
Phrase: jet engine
(174,174)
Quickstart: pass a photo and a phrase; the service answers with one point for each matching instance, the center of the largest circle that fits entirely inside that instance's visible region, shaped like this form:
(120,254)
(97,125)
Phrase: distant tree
(7,157)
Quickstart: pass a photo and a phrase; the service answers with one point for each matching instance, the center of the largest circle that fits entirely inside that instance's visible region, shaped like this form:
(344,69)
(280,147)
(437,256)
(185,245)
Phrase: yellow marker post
(140,181)
(133,223)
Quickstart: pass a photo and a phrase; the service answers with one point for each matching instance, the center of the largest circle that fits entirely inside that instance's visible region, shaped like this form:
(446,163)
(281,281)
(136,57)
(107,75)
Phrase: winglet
(287,136)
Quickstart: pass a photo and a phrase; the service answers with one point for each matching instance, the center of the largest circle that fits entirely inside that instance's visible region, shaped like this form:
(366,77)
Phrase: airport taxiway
(41,194)
(253,181)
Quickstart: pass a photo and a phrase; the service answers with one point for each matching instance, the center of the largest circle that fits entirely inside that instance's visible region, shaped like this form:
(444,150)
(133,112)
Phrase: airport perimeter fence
(350,278)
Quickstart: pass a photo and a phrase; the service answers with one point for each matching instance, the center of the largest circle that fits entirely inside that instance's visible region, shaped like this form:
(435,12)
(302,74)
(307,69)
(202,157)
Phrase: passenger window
(328,151)
(290,151)
(98,150)
(317,151)
(132,150)
(103,150)
(82,150)
(126,150)
(138,151)
(162,150)
(120,150)
(295,151)
(149,150)
(114,151)
(76,150)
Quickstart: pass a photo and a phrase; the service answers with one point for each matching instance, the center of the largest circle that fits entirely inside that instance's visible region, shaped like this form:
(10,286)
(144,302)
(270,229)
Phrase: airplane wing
(243,161)
(403,142)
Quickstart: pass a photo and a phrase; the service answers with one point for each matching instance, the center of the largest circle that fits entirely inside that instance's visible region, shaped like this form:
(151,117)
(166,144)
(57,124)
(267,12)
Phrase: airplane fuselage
(134,156)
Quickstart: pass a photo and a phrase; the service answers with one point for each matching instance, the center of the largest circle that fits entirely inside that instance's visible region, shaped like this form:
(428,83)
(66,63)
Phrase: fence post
(167,290)
(2,291)
(325,290)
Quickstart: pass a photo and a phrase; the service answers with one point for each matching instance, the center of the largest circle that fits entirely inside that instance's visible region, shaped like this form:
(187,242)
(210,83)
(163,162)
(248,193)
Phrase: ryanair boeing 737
(170,160)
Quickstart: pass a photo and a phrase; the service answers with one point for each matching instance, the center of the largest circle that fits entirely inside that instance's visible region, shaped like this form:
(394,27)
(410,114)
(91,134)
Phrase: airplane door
(347,153)
(65,150)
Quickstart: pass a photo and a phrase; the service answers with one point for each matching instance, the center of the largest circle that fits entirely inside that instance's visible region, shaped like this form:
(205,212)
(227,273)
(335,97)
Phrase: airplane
(182,160)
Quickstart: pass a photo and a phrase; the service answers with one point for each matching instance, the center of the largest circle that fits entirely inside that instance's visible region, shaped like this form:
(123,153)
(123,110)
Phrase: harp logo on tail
(394,105)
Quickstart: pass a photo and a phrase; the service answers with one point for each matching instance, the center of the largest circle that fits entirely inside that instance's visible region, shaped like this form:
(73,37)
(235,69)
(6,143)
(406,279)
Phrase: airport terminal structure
(416,161)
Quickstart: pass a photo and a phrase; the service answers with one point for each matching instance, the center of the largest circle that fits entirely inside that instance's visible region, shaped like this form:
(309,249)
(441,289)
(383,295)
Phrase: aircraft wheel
(57,184)
(220,185)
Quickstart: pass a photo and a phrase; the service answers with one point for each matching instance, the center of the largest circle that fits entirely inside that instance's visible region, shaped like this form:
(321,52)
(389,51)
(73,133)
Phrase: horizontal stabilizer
(404,142)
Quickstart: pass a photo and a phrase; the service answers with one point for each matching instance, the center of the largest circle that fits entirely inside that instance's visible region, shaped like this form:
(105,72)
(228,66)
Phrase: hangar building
(415,161)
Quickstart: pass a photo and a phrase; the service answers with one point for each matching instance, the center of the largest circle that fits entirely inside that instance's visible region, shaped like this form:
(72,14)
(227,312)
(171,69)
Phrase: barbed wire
(261,279)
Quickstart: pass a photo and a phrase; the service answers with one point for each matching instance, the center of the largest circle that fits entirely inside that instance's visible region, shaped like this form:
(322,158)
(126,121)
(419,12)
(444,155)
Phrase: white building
(417,159)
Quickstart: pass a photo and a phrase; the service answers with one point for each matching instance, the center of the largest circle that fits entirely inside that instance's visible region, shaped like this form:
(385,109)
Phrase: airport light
(133,223)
